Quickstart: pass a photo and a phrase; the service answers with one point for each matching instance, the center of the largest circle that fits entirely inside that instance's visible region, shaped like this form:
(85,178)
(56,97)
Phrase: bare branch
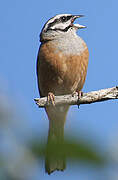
(87,98)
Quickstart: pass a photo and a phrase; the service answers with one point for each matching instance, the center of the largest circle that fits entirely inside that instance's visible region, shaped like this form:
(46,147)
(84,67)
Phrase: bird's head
(60,25)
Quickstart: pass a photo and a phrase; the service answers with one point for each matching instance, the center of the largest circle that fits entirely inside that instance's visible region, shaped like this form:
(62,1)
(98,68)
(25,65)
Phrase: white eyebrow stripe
(57,17)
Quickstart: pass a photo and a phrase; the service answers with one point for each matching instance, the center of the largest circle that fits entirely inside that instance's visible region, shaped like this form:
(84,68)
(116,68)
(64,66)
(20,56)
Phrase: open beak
(78,26)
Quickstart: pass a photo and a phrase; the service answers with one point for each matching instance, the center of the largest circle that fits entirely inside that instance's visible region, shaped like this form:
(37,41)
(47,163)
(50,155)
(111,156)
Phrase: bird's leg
(51,98)
(74,94)
(79,94)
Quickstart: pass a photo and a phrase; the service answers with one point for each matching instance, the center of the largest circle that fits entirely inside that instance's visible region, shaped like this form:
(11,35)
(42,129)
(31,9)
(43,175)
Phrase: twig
(87,98)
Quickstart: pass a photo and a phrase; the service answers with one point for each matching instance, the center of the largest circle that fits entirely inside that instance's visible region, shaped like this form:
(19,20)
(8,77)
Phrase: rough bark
(87,98)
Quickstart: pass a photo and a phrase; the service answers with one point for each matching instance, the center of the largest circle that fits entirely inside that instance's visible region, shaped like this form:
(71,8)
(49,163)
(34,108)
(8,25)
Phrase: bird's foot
(74,94)
(79,94)
(51,98)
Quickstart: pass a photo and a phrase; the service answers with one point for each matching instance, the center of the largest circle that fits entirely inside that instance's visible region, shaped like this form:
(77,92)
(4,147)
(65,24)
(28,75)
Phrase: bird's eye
(63,19)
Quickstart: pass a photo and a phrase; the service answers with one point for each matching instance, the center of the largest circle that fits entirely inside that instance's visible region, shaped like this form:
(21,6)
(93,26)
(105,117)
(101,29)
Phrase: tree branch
(87,98)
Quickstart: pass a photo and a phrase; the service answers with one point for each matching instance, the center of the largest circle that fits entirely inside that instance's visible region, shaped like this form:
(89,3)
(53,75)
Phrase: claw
(51,98)
(80,94)
(74,94)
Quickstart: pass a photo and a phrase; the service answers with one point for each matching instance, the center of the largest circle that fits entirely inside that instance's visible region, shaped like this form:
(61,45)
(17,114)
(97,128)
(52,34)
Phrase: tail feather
(55,159)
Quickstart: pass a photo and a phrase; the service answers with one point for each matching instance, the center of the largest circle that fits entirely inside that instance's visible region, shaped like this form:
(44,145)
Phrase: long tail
(54,159)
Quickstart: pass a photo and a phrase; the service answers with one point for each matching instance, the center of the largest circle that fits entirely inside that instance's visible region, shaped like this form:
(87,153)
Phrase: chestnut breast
(59,72)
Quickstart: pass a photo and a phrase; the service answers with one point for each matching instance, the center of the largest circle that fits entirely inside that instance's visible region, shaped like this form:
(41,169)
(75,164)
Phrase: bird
(62,63)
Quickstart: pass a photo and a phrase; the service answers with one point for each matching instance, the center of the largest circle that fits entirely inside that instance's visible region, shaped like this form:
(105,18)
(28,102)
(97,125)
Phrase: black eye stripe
(65,18)
(53,23)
